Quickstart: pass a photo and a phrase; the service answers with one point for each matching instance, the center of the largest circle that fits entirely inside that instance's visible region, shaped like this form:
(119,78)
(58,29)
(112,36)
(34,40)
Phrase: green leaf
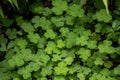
(98,61)
(42,42)
(69,60)
(64,31)
(47,11)
(50,47)
(59,78)
(75,11)
(24,72)
(36,21)
(56,57)
(69,20)
(117,70)
(82,41)
(60,43)
(81,76)
(41,58)
(22,43)
(59,6)
(47,70)
(102,16)
(34,39)
(50,34)
(44,23)
(70,39)
(108,64)
(106,47)
(27,54)
(61,69)
(16,60)
(11,33)
(92,44)
(84,53)
(27,27)
(37,9)
(58,21)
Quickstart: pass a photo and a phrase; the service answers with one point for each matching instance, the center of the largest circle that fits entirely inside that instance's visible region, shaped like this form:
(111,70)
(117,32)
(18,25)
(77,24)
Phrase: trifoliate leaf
(27,27)
(61,69)
(58,21)
(50,47)
(92,44)
(41,58)
(34,39)
(24,72)
(47,11)
(108,64)
(81,76)
(16,60)
(81,41)
(71,39)
(38,9)
(47,70)
(69,20)
(102,16)
(98,61)
(11,33)
(56,57)
(50,34)
(117,70)
(41,42)
(32,66)
(84,53)
(69,60)
(106,47)
(27,54)
(75,11)
(60,43)
(44,23)
(59,6)
(64,31)
(21,43)
(86,70)
(36,21)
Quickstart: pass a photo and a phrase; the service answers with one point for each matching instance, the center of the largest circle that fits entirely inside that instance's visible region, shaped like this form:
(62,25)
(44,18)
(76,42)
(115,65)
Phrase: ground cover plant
(59,40)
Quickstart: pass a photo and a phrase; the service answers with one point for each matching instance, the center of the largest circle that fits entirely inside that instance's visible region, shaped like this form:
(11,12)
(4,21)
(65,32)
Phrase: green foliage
(59,40)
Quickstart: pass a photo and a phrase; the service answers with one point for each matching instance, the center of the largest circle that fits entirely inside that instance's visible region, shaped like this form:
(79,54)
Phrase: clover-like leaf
(84,53)
(50,34)
(27,54)
(34,39)
(98,61)
(60,43)
(59,6)
(36,21)
(102,16)
(24,72)
(27,27)
(50,47)
(117,70)
(16,60)
(92,44)
(61,69)
(11,33)
(75,11)
(21,43)
(58,21)
(106,47)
